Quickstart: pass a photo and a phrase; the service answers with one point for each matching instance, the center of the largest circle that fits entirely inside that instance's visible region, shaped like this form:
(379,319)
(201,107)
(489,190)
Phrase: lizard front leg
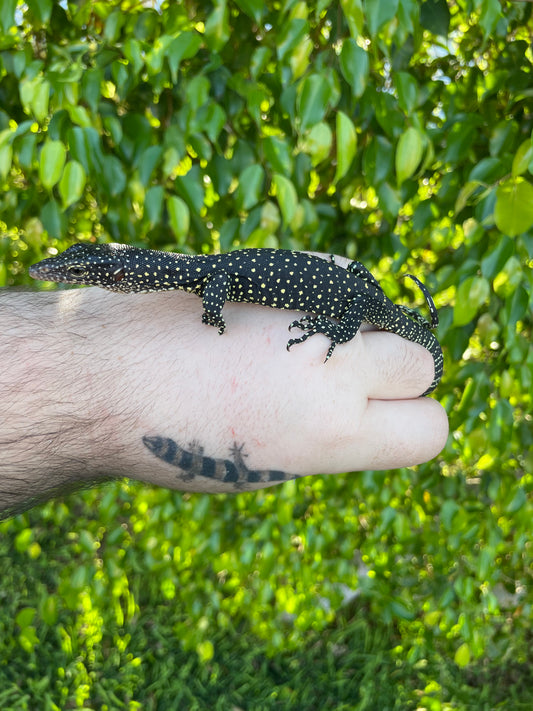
(214,297)
(340,332)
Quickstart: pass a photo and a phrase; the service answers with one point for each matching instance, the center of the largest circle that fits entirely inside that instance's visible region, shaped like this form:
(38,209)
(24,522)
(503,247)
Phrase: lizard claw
(303,323)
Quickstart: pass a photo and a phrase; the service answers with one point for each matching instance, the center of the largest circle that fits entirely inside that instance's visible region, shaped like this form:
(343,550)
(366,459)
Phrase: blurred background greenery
(394,131)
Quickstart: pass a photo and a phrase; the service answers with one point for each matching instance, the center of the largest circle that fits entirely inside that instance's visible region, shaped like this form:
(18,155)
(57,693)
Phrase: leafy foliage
(396,132)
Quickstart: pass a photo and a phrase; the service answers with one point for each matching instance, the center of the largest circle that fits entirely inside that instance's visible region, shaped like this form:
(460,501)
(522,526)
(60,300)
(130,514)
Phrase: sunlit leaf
(471,295)
(51,163)
(409,153)
(513,212)
(6,157)
(346,145)
(72,183)
(463,655)
(354,14)
(522,158)
(287,197)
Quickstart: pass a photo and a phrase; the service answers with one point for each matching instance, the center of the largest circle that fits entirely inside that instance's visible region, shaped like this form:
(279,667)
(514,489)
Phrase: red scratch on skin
(234,384)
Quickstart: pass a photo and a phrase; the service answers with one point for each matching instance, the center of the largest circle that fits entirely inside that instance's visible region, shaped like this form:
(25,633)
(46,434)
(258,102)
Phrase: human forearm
(49,426)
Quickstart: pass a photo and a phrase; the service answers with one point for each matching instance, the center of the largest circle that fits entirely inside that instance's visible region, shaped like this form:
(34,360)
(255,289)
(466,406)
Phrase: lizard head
(101,265)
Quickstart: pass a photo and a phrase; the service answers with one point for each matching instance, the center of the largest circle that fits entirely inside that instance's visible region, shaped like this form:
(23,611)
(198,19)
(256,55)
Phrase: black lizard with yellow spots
(281,279)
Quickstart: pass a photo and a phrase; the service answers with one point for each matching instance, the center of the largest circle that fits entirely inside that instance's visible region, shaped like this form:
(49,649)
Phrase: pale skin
(86,374)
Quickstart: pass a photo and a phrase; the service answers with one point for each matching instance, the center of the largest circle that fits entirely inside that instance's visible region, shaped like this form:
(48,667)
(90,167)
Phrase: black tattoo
(194,463)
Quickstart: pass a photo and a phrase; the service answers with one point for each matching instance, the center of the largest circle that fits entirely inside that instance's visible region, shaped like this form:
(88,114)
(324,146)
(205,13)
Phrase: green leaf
(448,511)
(491,11)
(72,183)
(346,145)
(314,95)
(7,14)
(463,655)
(197,92)
(519,305)
(191,189)
(389,200)
(179,217)
(253,8)
(354,64)
(113,25)
(378,13)
(259,61)
(205,651)
(26,151)
(90,87)
(513,212)
(51,163)
(471,295)
(79,115)
(518,501)
(407,88)
(148,162)
(493,262)
(25,617)
(251,182)
(408,154)
(6,157)
(23,540)
(317,143)
(217,29)
(435,17)
(48,610)
(229,233)
(287,197)
(42,9)
(153,203)
(278,154)
(378,160)
(35,95)
(185,46)
(214,121)
(270,218)
(291,35)
(84,146)
(52,219)
(113,175)
(466,192)
(353,12)
(522,158)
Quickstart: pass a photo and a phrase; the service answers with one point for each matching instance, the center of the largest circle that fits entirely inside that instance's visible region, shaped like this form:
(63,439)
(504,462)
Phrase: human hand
(113,385)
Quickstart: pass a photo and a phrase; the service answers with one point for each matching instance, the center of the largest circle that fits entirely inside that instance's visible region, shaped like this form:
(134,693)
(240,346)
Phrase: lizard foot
(214,320)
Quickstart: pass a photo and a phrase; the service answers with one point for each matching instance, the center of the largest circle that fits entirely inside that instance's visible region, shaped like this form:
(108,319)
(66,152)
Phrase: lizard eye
(77,271)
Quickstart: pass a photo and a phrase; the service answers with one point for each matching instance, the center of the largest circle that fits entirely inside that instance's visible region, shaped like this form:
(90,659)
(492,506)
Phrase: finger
(402,433)
(396,367)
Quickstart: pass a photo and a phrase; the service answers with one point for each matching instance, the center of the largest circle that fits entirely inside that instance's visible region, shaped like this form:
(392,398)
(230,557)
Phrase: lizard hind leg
(359,270)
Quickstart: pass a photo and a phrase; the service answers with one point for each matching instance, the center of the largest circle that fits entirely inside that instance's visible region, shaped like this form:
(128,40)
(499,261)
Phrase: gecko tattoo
(195,463)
